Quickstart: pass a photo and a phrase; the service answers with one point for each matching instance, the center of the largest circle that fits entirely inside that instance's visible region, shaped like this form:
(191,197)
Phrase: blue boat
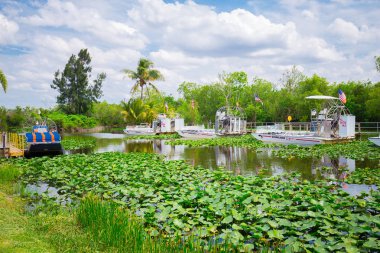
(44,140)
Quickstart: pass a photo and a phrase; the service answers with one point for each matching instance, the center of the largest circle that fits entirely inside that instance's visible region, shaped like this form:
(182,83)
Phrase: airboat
(43,140)
(162,124)
(142,129)
(333,124)
(197,133)
(228,121)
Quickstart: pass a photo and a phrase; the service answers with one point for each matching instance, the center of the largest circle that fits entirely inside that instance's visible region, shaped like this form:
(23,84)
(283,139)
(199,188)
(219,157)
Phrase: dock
(12,145)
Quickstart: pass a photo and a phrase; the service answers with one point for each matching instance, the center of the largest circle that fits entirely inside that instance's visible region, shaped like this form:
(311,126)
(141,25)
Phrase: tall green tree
(358,94)
(291,79)
(3,118)
(108,114)
(373,103)
(377,63)
(230,86)
(3,81)
(76,94)
(144,76)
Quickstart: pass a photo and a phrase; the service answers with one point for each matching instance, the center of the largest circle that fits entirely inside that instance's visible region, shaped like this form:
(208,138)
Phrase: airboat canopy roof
(321,97)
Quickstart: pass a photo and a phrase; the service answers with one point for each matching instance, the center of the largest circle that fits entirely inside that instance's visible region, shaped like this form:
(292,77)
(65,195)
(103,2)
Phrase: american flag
(257,99)
(342,96)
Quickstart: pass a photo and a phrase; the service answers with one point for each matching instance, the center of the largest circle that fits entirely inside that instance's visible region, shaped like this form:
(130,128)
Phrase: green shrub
(69,122)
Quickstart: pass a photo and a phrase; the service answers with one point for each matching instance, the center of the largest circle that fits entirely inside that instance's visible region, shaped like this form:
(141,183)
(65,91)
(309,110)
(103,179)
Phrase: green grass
(17,234)
(43,232)
(110,225)
(117,228)
(8,172)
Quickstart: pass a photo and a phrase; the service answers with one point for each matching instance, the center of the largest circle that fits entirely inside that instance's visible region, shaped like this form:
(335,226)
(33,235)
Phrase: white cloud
(58,45)
(66,14)
(200,30)
(349,33)
(186,41)
(308,14)
(345,29)
(8,30)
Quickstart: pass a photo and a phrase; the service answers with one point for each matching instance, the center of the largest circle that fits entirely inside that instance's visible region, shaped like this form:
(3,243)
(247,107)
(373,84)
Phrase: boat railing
(360,127)
(142,125)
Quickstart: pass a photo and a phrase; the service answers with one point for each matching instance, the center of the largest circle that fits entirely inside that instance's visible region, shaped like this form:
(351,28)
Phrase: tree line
(263,101)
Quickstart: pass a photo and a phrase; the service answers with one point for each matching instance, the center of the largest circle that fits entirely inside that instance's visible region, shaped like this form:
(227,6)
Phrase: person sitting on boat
(335,125)
(226,123)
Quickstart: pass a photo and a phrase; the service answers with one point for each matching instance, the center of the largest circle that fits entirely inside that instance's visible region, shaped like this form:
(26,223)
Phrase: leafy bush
(108,114)
(72,121)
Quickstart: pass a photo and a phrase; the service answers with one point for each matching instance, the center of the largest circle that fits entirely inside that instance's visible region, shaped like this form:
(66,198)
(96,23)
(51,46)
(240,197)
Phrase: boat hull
(137,131)
(44,149)
(375,140)
(302,140)
(197,134)
(286,139)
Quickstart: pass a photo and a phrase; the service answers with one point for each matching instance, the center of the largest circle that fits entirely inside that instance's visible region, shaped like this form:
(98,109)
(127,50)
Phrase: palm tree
(3,81)
(143,76)
(135,111)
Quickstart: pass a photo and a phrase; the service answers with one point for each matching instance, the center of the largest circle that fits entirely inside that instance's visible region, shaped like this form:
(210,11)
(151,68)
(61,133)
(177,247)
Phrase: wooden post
(3,139)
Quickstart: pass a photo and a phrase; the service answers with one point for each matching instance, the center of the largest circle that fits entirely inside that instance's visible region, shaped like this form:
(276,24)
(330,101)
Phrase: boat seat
(40,129)
(42,137)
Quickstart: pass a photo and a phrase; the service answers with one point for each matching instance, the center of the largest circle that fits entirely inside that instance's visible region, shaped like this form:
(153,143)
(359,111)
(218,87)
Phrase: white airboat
(229,120)
(333,124)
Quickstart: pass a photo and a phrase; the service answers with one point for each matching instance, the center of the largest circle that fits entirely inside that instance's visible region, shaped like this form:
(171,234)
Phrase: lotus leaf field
(355,150)
(78,142)
(174,198)
(365,176)
(153,137)
(240,141)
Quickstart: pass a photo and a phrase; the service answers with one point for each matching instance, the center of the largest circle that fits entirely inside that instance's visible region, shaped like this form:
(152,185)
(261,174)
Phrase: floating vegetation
(364,176)
(176,199)
(238,141)
(78,142)
(355,150)
(153,137)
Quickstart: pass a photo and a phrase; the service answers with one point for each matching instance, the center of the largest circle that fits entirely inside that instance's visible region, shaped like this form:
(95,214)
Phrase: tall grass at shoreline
(115,227)
(8,172)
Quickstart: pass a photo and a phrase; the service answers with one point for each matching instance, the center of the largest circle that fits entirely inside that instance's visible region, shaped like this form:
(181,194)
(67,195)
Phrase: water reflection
(240,161)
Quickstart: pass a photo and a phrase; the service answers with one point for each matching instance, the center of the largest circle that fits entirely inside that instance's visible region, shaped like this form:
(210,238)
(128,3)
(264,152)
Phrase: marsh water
(240,161)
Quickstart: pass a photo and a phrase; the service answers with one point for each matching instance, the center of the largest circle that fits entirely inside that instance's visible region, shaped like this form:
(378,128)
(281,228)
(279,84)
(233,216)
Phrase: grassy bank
(95,225)
(23,231)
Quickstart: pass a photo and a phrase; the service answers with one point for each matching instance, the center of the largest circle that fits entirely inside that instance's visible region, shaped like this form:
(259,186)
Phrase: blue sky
(187,40)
